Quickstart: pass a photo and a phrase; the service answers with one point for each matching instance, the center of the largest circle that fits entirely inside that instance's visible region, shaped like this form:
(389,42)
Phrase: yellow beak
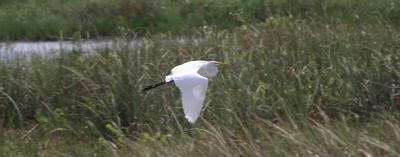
(222,63)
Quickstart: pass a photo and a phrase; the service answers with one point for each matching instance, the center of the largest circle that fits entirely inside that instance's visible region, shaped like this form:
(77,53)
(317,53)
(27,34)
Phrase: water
(12,50)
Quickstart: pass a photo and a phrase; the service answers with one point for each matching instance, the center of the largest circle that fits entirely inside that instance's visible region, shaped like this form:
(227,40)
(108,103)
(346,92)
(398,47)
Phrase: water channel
(26,49)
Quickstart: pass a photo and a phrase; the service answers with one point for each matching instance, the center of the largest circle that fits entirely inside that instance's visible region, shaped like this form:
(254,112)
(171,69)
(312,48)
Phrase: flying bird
(192,79)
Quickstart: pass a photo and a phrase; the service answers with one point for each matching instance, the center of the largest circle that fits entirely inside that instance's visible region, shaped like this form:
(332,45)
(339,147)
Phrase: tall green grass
(294,87)
(264,138)
(48,20)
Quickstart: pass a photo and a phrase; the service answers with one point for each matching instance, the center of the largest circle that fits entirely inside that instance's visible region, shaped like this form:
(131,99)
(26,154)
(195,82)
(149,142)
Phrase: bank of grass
(294,87)
(55,19)
(304,137)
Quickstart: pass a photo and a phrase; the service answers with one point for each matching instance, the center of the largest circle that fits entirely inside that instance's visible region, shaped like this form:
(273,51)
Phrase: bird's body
(192,80)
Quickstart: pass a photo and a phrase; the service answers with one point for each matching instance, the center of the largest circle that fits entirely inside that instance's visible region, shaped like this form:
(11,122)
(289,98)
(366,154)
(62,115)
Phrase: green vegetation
(54,19)
(321,83)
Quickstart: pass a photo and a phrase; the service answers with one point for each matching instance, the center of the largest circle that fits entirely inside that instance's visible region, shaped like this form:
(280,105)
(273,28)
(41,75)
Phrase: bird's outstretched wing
(193,88)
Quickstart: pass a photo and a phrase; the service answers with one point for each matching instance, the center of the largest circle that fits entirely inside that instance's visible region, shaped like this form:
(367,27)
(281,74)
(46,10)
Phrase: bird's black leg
(153,86)
(156,85)
(170,83)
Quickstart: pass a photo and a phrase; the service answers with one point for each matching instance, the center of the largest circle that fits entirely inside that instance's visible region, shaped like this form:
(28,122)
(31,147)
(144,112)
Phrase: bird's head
(210,68)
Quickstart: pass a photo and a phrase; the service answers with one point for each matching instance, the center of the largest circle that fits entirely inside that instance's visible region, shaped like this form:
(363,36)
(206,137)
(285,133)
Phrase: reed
(295,86)
(48,20)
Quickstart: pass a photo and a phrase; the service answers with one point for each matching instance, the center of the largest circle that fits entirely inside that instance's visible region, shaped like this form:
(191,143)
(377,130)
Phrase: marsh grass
(294,87)
(74,19)
(344,137)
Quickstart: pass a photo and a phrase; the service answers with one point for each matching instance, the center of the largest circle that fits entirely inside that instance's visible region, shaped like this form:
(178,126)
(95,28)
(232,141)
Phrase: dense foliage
(54,19)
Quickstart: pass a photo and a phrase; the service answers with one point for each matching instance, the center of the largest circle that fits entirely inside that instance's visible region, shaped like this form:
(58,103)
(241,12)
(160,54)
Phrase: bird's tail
(155,85)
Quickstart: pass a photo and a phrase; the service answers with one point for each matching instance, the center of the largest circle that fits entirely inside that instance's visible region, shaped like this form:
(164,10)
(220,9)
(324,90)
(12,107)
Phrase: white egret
(192,79)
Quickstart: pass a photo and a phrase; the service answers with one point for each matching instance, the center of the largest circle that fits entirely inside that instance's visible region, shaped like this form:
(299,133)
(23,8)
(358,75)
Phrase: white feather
(192,66)
(193,88)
